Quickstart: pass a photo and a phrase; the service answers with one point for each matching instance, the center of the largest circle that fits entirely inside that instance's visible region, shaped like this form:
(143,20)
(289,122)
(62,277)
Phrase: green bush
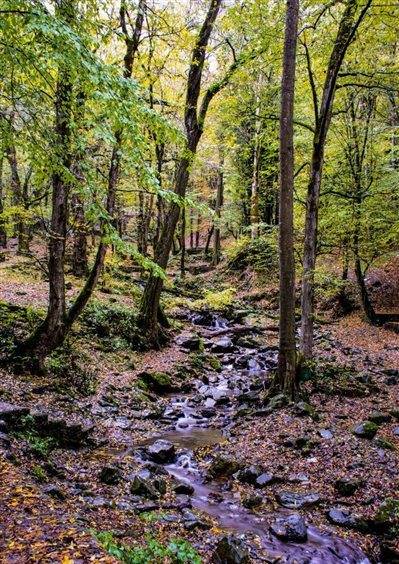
(114,324)
(261,253)
(71,371)
(176,552)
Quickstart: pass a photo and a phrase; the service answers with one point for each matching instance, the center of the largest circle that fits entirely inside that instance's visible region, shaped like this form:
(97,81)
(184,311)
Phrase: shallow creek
(243,370)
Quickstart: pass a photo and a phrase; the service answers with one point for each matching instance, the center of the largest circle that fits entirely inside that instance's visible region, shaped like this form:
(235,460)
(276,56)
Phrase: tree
(348,26)
(287,373)
(194,119)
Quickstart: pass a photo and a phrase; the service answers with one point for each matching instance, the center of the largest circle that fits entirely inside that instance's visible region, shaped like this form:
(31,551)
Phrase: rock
(162,452)
(293,500)
(223,466)
(252,501)
(158,382)
(4,440)
(298,478)
(230,550)
(278,401)
(221,397)
(183,489)
(223,345)
(192,522)
(386,518)
(378,417)
(347,486)
(290,529)
(248,475)
(54,491)
(110,475)
(12,414)
(396,431)
(265,479)
(366,430)
(326,433)
(341,517)
(384,443)
(303,409)
(191,342)
(143,487)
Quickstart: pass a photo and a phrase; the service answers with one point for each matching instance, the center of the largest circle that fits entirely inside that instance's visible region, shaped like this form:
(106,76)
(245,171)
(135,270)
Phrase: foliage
(261,254)
(71,371)
(177,551)
(216,301)
(115,325)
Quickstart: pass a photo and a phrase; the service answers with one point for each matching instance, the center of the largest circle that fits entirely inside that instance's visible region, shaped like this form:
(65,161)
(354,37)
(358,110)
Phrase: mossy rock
(366,430)
(386,519)
(385,444)
(158,382)
(223,466)
(214,363)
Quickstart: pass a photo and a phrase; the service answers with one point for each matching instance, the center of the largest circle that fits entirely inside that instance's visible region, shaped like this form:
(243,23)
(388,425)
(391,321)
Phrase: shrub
(71,370)
(176,552)
(261,253)
(114,324)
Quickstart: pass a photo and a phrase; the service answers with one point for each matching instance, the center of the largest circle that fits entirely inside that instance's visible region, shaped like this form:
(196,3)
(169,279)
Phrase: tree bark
(287,380)
(183,244)
(345,34)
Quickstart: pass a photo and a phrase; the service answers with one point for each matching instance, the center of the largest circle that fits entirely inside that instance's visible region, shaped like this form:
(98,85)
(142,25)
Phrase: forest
(199,281)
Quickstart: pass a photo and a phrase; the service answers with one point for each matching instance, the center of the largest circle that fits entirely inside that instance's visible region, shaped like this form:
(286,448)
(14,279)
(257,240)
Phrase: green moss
(214,363)
(39,474)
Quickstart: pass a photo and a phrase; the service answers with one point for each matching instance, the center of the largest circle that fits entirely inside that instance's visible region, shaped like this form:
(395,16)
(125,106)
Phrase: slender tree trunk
(346,33)
(197,231)
(18,199)
(287,373)
(218,212)
(183,244)
(79,251)
(255,217)
(3,232)
(191,229)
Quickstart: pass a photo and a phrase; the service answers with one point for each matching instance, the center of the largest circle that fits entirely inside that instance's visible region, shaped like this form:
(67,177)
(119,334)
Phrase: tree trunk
(287,373)
(183,244)
(255,217)
(3,232)
(218,212)
(345,34)
(194,123)
(79,251)
(197,231)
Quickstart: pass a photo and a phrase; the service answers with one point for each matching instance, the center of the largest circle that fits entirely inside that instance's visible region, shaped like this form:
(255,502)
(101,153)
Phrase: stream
(204,417)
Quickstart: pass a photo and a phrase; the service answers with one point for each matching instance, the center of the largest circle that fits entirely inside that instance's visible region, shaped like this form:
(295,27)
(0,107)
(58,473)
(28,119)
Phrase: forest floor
(233,464)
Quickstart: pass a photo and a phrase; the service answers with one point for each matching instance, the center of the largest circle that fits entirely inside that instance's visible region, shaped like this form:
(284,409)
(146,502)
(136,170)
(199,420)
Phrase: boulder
(248,475)
(290,529)
(223,466)
(191,342)
(252,501)
(347,486)
(157,382)
(341,517)
(265,479)
(144,487)
(183,489)
(326,434)
(223,345)
(293,500)
(110,475)
(366,430)
(378,417)
(11,413)
(230,550)
(303,409)
(162,452)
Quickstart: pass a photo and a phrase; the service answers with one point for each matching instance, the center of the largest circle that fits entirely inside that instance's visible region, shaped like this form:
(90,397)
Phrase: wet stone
(293,500)
(223,345)
(144,488)
(265,479)
(110,475)
(183,489)
(341,517)
(290,529)
(248,475)
(162,451)
(230,550)
(191,342)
